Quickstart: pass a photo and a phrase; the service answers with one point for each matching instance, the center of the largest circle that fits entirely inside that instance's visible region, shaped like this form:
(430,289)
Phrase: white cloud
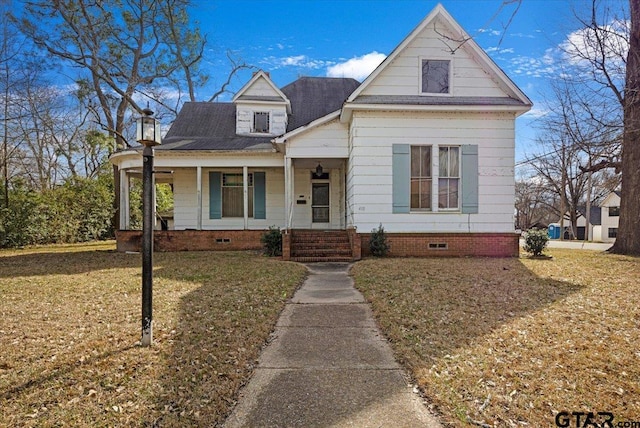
(584,43)
(533,67)
(300,61)
(496,49)
(358,67)
(522,35)
(489,31)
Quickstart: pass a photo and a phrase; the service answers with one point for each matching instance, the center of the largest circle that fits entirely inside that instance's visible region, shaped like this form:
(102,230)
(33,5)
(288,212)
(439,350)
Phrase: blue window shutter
(259,196)
(401,186)
(469,179)
(215,195)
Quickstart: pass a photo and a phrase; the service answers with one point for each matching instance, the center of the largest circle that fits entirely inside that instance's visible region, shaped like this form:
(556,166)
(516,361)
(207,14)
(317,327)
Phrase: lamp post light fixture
(147,134)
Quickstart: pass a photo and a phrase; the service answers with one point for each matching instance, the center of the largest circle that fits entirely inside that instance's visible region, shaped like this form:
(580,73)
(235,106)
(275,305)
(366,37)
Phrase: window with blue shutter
(457,179)
(215,195)
(470,179)
(401,184)
(259,196)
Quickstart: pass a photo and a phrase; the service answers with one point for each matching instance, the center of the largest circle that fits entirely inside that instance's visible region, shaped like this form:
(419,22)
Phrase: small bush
(272,241)
(535,241)
(378,245)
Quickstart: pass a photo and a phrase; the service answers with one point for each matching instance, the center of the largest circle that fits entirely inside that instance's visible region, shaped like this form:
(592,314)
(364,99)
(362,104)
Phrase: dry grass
(508,342)
(70,326)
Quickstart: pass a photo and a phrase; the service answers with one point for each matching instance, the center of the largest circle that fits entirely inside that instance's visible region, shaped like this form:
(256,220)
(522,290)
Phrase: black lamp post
(148,134)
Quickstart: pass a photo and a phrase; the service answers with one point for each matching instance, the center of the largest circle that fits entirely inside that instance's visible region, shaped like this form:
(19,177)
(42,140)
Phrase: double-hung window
(421,180)
(233,195)
(448,177)
(435,178)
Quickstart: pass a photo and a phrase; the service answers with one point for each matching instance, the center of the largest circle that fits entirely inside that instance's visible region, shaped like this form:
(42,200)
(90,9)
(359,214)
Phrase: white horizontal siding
(325,141)
(277,118)
(186,201)
(261,88)
(370,171)
(402,76)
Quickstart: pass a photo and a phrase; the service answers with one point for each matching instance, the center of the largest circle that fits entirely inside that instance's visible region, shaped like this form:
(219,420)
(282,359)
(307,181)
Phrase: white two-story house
(424,146)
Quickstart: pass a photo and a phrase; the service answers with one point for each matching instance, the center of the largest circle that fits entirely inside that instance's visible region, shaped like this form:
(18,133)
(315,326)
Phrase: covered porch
(315,193)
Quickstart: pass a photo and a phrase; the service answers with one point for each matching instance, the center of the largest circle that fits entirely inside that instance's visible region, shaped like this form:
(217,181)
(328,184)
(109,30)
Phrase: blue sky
(315,38)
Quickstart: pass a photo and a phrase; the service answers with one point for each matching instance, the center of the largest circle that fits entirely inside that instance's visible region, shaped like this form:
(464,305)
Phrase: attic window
(261,122)
(435,76)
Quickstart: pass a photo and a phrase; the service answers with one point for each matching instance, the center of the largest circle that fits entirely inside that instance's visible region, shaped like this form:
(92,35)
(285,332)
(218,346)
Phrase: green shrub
(535,241)
(378,245)
(272,241)
(77,210)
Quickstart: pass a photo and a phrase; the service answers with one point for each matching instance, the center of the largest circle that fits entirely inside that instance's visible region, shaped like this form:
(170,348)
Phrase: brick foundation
(401,244)
(192,240)
(448,244)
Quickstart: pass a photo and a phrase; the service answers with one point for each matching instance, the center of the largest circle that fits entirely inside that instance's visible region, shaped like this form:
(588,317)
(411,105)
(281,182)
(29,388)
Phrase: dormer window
(435,76)
(260,122)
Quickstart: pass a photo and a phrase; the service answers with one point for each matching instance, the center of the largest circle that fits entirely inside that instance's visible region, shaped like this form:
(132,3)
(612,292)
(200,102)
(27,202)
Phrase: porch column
(245,195)
(199,197)
(124,200)
(288,192)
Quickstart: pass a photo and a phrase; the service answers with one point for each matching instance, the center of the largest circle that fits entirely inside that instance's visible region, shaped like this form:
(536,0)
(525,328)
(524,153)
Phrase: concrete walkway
(328,365)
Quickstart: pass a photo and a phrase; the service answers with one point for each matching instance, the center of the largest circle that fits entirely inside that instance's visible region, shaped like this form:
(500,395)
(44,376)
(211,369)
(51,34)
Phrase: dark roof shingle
(212,126)
(314,97)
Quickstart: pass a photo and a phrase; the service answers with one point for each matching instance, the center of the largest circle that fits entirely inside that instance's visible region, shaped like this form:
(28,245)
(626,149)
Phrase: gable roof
(275,94)
(212,126)
(515,99)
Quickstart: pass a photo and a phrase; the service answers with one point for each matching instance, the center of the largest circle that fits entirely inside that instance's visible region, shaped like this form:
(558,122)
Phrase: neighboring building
(610,216)
(595,229)
(424,146)
(603,221)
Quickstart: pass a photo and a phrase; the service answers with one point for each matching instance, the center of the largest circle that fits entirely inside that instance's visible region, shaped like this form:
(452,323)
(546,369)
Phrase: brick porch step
(320,259)
(320,246)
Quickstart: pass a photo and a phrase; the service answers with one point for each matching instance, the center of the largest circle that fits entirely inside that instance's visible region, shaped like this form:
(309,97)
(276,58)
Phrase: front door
(320,202)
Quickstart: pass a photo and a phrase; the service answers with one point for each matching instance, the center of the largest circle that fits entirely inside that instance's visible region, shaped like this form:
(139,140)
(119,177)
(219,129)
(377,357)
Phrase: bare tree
(609,52)
(535,205)
(122,47)
(15,72)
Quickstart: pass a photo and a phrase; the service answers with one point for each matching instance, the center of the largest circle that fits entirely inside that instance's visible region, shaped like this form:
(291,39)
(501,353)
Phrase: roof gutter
(347,110)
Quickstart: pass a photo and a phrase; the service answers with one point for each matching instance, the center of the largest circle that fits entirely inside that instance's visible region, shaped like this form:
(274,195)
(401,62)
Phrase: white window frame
(435,180)
(458,208)
(430,177)
(250,188)
(435,94)
(253,122)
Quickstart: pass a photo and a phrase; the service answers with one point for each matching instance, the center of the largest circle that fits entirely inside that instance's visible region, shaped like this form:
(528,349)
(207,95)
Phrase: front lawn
(512,342)
(70,326)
